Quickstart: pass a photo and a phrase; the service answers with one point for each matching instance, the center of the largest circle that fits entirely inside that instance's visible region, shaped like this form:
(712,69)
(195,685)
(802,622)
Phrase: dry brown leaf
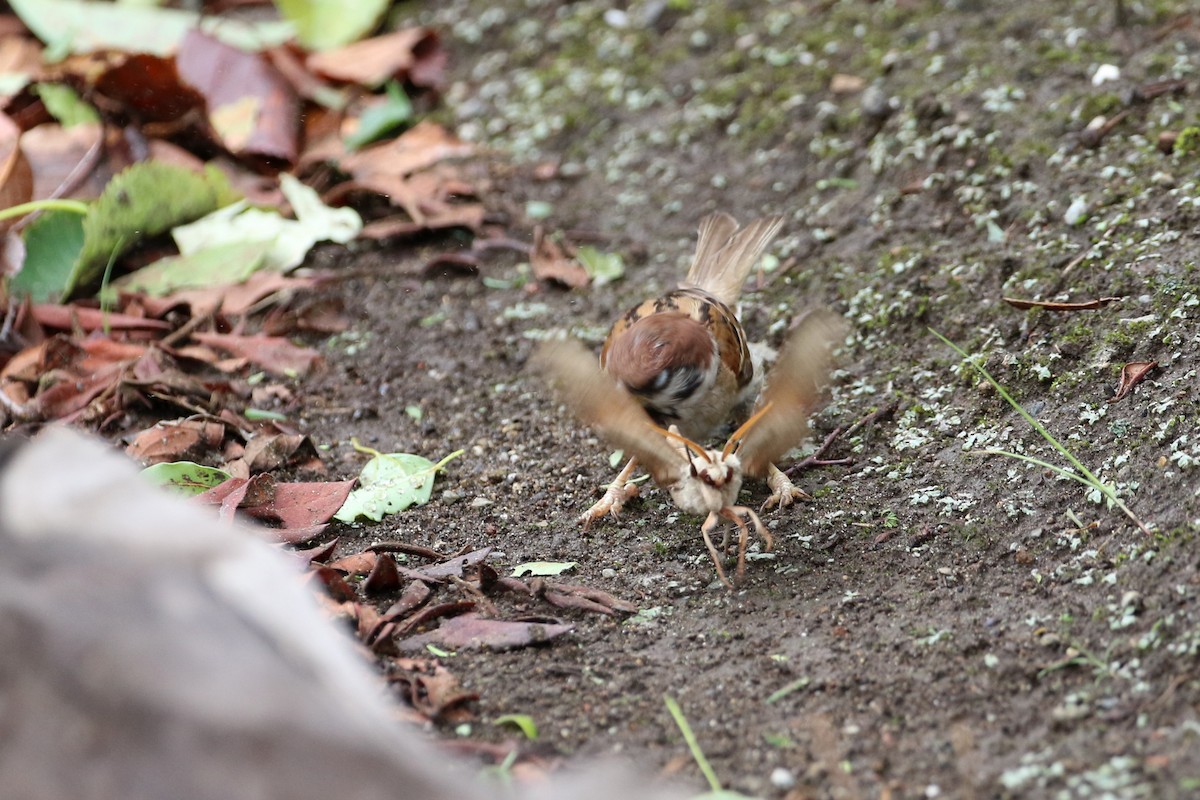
(313,315)
(465,215)
(302,505)
(416,594)
(145,86)
(430,688)
(266,451)
(16,175)
(418,148)
(92,319)
(231,300)
(1131,375)
(273,353)
(550,263)
(252,108)
(471,631)
(1089,305)
(56,153)
(317,555)
(356,563)
(187,440)
(414,54)
(384,577)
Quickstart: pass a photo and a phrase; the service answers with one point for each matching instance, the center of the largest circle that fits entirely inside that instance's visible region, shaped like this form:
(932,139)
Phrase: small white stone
(1105,72)
(1077,211)
(616,18)
(782,778)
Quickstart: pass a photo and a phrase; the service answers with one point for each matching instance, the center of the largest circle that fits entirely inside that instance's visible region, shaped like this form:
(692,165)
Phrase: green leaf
(522,721)
(322,24)
(142,201)
(261,415)
(52,245)
(601,267)
(380,120)
(390,483)
(543,568)
(794,686)
(221,265)
(289,239)
(185,477)
(65,105)
(85,26)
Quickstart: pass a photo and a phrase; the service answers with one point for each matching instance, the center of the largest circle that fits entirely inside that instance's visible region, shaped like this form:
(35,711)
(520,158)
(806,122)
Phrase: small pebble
(608,572)
(1077,211)
(1105,73)
(616,18)
(782,778)
(480,502)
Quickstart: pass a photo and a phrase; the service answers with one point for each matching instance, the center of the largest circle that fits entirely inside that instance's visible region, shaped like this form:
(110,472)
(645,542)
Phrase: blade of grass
(1088,478)
(692,744)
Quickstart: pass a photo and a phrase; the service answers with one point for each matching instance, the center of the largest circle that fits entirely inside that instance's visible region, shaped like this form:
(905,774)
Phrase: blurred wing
(725,255)
(793,390)
(597,400)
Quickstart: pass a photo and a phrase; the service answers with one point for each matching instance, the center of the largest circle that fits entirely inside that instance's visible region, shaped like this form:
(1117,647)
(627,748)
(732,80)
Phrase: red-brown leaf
(550,263)
(272,353)
(1131,375)
(252,108)
(414,54)
(471,631)
(384,576)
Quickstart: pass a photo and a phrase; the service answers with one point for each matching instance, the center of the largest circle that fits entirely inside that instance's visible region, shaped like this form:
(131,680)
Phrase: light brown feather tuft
(793,390)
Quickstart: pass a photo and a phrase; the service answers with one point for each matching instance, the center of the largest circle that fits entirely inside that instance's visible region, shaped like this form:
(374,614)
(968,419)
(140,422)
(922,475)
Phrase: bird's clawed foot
(615,498)
(783,491)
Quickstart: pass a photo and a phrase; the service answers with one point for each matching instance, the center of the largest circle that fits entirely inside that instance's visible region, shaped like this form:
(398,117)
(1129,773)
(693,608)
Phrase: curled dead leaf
(551,263)
(1131,375)
(430,688)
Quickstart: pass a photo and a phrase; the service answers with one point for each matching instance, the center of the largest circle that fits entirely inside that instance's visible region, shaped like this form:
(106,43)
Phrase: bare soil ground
(945,621)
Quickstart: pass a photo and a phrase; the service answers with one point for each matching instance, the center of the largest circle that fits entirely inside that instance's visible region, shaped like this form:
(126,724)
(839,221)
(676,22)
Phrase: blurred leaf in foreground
(52,245)
(321,24)
(377,121)
(185,477)
(143,201)
(84,26)
(289,239)
(217,266)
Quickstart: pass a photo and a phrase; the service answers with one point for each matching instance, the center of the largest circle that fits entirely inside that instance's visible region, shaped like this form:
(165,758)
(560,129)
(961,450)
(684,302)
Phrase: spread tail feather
(725,254)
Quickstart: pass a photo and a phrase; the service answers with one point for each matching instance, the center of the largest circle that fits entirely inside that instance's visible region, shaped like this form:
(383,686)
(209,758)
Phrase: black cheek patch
(692,380)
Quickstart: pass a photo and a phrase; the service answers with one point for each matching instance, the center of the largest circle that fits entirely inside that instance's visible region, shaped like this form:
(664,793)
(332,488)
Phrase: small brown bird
(683,356)
(703,481)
